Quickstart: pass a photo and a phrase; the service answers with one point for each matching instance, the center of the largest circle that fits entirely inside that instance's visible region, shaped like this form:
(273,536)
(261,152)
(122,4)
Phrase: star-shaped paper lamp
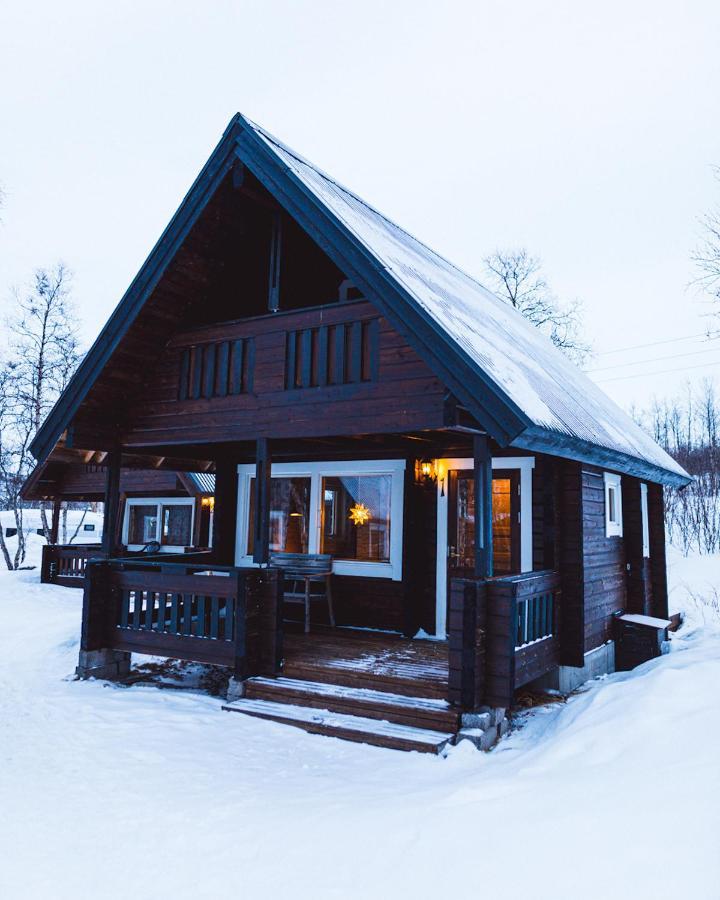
(359,514)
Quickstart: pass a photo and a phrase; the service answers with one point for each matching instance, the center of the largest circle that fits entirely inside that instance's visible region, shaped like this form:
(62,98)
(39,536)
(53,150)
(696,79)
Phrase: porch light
(426,471)
(209,502)
(359,514)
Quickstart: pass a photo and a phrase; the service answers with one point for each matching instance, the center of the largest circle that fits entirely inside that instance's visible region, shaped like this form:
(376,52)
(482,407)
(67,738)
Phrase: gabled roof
(510,377)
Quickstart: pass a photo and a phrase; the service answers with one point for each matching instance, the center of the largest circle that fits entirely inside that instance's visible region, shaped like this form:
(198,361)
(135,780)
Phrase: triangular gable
(509,376)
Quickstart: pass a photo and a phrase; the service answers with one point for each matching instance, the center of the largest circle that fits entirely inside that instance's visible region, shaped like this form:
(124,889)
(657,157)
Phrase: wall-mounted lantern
(426,472)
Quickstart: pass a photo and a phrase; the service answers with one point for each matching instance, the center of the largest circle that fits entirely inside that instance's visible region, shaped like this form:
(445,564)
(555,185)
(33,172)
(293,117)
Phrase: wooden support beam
(111,506)
(261,523)
(658,564)
(482,466)
(275,261)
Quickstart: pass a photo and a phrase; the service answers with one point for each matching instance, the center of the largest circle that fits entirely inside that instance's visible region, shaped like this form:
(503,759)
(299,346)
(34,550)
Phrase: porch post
(261,523)
(482,465)
(225,512)
(111,506)
(55,521)
(637,587)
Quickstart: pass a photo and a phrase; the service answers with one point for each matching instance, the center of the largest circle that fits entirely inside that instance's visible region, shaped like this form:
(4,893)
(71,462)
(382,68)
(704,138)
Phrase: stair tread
(339,721)
(343,692)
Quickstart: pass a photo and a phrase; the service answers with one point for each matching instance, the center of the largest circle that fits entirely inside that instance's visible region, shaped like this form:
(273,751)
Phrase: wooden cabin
(171,509)
(488,511)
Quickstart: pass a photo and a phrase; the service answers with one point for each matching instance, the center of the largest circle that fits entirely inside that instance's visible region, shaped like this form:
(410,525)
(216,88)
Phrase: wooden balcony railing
(503,633)
(219,615)
(65,564)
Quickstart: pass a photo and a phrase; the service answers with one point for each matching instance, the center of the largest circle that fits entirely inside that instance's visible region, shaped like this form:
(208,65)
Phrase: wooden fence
(220,615)
(65,564)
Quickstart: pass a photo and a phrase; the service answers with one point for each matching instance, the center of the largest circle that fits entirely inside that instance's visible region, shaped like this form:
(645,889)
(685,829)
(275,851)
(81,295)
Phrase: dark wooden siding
(603,563)
(401,392)
(89,482)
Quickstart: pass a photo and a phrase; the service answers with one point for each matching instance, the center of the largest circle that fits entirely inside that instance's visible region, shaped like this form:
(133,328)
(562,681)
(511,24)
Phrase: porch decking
(379,661)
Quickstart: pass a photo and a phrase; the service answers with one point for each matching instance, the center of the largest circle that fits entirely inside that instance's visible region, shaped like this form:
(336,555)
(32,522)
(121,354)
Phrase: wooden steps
(350,728)
(380,718)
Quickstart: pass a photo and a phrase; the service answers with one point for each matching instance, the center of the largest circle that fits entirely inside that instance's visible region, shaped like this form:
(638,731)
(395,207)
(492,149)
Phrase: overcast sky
(585,132)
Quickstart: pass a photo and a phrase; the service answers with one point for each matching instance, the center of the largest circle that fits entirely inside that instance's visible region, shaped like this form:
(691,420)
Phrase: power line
(688,337)
(640,362)
(652,374)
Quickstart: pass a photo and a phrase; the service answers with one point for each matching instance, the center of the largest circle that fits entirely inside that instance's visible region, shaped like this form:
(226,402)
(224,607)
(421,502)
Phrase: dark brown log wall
(405,395)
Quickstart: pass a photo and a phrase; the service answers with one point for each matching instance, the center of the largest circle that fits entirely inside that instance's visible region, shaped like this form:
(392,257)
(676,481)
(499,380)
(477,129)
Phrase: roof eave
(541,440)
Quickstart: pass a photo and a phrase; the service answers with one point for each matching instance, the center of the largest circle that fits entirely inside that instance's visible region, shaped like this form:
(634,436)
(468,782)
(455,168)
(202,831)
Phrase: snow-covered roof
(555,395)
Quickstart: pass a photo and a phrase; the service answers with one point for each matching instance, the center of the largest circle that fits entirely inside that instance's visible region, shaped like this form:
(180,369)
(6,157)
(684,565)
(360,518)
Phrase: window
(356,517)
(289,515)
(351,510)
(613,505)
(167,520)
(644,516)
(143,524)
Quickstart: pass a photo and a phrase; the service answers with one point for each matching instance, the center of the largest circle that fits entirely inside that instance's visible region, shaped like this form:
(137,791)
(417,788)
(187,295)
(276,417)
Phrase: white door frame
(525,464)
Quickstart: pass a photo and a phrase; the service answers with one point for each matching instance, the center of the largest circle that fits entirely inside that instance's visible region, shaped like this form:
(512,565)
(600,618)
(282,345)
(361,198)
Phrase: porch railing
(219,615)
(65,564)
(503,633)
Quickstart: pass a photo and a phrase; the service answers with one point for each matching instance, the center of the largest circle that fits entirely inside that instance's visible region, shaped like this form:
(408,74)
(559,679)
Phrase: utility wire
(652,374)
(688,337)
(640,362)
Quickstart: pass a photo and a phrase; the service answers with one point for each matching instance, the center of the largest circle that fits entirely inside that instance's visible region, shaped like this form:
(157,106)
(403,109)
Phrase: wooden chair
(308,568)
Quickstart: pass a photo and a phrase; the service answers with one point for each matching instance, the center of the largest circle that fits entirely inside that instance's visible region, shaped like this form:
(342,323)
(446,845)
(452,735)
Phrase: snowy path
(110,792)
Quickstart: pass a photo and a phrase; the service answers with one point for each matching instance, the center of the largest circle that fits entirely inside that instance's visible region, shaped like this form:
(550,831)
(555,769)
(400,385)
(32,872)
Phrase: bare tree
(687,427)
(516,277)
(43,354)
(707,255)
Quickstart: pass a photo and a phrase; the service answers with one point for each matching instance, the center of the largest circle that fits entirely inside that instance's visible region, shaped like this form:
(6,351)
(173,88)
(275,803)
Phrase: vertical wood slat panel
(208,370)
(137,608)
(290,359)
(200,616)
(196,376)
(149,609)
(339,361)
(322,356)
(175,614)
(373,350)
(236,367)
(186,613)
(184,374)
(222,363)
(306,359)
(355,354)
(248,380)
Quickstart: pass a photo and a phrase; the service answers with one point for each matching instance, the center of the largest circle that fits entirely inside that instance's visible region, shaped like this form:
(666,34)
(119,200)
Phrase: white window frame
(613,527)
(525,464)
(315,471)
(159,502)
(645,519)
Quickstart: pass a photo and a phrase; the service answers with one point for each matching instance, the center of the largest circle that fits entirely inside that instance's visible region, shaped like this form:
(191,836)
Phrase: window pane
(143,524)
(356,517)
(502,526)
(611,505)
(176,525)
(289,515)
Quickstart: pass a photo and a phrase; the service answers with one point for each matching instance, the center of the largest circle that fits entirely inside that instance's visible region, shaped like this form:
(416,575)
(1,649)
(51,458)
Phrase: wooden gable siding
(86,481)
(394,393)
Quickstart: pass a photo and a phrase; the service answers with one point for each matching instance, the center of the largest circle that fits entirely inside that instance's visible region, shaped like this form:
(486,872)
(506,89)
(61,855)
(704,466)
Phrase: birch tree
(43,353)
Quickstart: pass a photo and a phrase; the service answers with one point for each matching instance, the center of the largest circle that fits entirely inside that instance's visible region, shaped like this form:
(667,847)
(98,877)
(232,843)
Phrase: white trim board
(315,471)
(525,464)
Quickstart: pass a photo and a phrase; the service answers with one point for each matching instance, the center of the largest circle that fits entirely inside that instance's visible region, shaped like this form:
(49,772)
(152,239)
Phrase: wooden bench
(306,568)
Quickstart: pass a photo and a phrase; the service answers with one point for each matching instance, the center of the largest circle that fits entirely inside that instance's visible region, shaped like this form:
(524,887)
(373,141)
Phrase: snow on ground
(137,792)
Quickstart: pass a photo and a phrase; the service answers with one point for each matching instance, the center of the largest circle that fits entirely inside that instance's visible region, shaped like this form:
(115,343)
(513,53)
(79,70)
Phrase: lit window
(356,517)
(289,515)
(613,505)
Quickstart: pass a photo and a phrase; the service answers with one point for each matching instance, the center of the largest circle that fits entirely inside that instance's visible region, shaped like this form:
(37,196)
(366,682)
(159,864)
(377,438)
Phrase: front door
(505,522)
